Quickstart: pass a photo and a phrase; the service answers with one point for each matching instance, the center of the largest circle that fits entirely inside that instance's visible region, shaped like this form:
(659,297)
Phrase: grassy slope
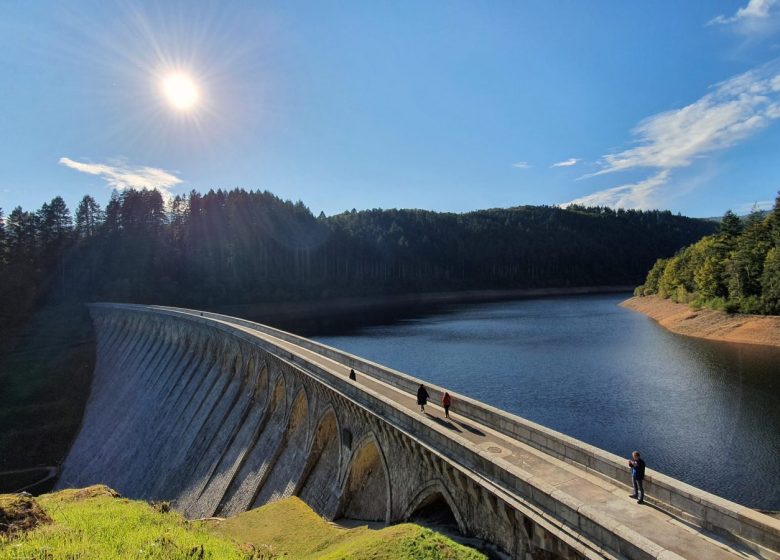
(289,527)
(92,523)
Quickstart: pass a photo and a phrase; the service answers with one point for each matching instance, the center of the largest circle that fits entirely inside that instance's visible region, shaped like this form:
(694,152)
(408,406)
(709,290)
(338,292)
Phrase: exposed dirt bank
(706,323)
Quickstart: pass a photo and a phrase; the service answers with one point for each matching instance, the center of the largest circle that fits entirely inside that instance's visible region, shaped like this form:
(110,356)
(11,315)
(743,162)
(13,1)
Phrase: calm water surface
(704,412)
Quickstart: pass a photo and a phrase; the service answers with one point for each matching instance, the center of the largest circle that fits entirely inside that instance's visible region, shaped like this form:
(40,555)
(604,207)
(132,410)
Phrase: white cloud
(568,163)
(641,195)
(754,10)
(733,111)
(121,176)
(757,205)
(521,165)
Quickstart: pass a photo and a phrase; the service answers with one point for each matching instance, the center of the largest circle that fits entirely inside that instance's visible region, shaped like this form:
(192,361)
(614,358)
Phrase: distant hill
(718,219)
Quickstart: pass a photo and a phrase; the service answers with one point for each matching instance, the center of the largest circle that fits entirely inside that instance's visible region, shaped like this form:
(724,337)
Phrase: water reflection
(705,412)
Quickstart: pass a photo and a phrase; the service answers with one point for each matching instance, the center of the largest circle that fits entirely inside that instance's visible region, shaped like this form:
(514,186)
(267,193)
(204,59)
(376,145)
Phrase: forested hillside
(238,246)
(736,269)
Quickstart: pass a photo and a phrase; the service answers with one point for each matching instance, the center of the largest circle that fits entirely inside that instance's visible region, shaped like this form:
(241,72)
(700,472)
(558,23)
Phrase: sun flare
(181,91)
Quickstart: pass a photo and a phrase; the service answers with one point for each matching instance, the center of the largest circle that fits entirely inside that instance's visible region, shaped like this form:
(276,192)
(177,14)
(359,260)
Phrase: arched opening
(366,493)
(435,513)
(434,507)
(318,486)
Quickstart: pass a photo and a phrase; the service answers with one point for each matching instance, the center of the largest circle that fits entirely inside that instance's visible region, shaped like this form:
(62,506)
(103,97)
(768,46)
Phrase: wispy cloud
(568,163)
(757,205)
(643,194)
(521,165)
(733,111)
(120,176)
(755,10)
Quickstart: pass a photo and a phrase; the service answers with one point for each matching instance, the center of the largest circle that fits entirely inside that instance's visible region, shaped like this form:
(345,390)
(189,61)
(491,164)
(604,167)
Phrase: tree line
(238,246)
(737,269)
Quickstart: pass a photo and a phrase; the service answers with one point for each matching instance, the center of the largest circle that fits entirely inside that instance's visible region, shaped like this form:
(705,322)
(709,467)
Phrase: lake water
(706,413)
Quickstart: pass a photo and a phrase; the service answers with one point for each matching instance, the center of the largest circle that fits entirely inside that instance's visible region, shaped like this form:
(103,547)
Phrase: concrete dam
(220,415)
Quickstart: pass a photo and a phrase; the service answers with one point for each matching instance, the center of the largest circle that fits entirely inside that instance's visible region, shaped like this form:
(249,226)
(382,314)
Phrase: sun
(181,91)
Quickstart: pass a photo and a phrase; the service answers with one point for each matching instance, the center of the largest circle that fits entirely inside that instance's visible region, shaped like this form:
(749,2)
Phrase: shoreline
(680,318)
(357,310)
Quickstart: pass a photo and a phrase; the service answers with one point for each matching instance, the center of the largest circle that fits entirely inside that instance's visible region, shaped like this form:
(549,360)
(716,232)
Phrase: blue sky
(440,105)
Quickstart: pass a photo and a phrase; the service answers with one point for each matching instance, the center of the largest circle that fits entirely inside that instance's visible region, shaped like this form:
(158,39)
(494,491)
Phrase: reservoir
(707,413)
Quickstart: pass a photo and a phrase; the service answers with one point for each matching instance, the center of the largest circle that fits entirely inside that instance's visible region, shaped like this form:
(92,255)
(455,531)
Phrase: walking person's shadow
(446,423)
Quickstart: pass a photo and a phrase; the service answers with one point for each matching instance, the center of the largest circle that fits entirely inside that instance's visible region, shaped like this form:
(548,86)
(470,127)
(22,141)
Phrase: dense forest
(238,246)
(203,250)
(735,269)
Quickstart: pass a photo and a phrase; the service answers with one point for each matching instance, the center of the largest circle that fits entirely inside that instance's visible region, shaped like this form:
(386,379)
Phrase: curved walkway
(670,535)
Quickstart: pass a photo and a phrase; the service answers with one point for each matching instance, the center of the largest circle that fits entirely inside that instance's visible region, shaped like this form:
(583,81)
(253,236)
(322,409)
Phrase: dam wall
(220,415)
(690,503)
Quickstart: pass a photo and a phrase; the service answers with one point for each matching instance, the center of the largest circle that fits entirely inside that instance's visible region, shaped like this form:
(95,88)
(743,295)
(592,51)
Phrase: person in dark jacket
(446,401)
(352,375)
(422,397)
(637,465)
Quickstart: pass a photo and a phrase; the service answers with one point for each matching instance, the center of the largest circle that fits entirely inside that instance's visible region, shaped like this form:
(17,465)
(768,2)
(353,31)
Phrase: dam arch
(366,493)
(434,503)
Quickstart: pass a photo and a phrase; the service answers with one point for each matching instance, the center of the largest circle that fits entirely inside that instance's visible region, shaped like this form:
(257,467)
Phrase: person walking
(422,397)
(352,376)
(446,401)
(637,465)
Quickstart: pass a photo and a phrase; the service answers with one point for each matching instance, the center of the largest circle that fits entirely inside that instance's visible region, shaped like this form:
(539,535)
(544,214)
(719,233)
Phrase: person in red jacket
(446,401)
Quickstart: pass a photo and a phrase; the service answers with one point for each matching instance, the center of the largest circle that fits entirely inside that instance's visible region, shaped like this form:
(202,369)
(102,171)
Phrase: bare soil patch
(706,323)
(20,513)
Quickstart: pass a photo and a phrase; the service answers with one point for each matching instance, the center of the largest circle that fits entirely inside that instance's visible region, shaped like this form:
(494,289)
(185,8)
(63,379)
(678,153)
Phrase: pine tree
(89,216)
(730,225)
(746,262)
(112,221)
(770,282)
(21,236)
(2,237)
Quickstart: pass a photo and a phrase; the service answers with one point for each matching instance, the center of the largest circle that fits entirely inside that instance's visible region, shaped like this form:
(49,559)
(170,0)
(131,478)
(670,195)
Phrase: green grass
(290,529)
(94,523)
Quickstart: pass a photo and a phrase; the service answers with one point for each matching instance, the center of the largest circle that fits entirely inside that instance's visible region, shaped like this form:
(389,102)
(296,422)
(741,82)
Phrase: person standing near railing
(637,465)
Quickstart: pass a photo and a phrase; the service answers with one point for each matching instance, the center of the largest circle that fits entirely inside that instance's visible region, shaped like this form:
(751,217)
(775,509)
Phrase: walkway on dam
(609,499)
